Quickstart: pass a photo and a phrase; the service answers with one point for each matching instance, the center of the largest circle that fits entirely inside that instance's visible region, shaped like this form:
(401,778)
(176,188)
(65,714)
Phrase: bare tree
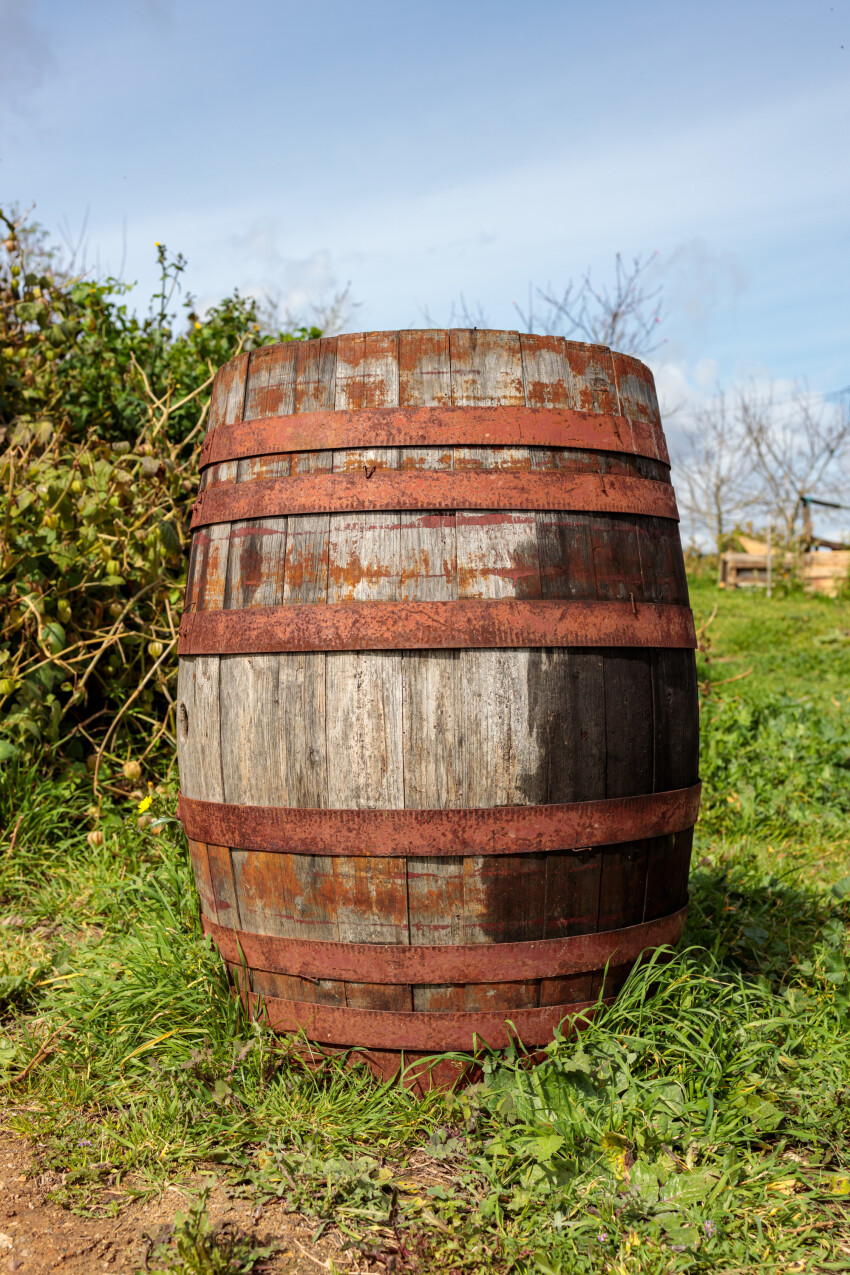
(626,316)
(714,479)
(750,452)
(330,315)
(462,315)
(24,235)
(333,316)
(798,449)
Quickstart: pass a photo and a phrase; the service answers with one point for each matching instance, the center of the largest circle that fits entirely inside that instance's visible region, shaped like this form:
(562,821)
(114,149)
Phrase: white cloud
(294,285)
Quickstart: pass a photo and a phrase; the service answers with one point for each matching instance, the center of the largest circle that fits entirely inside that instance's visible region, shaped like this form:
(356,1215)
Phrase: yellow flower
(145,802)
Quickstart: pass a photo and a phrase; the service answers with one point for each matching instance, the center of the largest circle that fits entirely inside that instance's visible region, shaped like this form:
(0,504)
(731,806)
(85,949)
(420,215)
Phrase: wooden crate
(821,571)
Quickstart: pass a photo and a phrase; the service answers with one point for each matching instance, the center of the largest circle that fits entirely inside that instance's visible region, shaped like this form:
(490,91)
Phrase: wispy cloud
(28,58)
(291,284)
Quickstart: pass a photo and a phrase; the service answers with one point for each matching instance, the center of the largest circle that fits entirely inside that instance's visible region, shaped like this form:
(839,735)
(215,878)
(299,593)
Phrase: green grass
(775,715)
(699,1125)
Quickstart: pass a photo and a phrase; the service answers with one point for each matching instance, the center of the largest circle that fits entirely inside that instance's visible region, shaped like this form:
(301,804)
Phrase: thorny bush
(101,417)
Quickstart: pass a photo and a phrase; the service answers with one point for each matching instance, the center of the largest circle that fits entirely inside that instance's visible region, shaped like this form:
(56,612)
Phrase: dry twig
(46,1048)
(122,710)
(14,836)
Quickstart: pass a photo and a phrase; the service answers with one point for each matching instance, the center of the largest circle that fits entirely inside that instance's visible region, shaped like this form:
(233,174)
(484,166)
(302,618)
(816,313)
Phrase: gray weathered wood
(253,742)
(198,708)
(364,688)
(199,728)
(272,713)
(593,385)
(363,699)
(635,389)
(496,557)
(428,564)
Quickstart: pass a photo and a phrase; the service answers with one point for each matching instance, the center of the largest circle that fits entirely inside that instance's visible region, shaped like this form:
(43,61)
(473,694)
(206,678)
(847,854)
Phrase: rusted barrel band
(435,1031)
(434,427)
(397,490)
(467,623)
(470,963)
(478,831)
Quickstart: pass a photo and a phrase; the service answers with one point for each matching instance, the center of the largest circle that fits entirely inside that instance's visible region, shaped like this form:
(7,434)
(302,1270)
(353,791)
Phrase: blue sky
(424,150)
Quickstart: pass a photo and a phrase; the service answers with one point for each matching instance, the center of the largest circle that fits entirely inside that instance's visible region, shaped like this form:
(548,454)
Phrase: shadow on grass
(760,922)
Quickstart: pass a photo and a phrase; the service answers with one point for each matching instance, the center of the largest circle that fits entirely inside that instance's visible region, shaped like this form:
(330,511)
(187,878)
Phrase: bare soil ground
(38,1235)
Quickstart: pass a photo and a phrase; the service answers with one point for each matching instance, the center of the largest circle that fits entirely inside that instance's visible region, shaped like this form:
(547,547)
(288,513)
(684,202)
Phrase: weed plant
(196,1248)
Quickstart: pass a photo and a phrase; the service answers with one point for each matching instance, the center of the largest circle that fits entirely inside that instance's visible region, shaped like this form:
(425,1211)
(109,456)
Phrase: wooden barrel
(437,706)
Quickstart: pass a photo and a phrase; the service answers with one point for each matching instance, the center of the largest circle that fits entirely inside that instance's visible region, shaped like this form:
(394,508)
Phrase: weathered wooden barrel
(437,705)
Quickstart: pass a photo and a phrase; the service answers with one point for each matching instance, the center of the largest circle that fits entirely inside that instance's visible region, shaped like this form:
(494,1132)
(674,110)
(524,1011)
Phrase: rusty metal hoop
(470,831)
(435,427)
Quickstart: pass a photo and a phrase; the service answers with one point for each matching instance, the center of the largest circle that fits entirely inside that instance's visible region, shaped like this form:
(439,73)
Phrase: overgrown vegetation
(700,1124)
(101,417)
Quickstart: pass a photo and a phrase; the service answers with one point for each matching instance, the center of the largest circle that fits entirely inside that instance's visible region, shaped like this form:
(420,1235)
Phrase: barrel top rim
(511,332)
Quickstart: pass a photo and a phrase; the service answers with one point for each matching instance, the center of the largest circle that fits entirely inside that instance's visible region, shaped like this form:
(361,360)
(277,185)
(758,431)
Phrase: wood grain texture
(363,699)
(675,719)
(431,754)
(302,683)
(291,896)
(568,689)
(496,557)
(364,689)
(435,729)
(635,389)
(208,558)
(592,378)
(222,886)
(252,737)
(272,706)
(198,707)
(201,868)
(199,727)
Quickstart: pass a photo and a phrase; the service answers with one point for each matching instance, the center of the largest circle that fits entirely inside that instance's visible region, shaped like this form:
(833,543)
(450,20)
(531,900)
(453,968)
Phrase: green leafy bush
(101,416)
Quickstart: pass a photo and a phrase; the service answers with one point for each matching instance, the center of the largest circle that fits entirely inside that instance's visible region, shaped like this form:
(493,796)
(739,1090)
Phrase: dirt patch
(38,1235)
